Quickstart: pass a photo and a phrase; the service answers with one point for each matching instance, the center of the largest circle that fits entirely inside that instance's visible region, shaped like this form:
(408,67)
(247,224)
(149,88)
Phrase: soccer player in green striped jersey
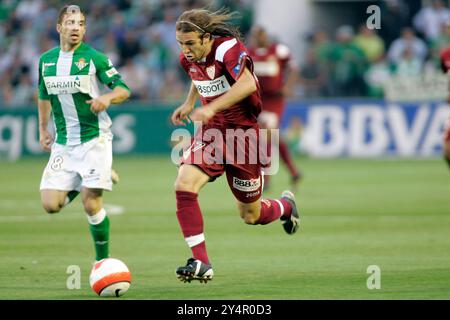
(70,78)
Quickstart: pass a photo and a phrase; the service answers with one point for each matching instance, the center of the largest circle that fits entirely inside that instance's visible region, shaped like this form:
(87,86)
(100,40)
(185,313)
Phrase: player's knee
(91,207)
(249,216)
(184,184)
(250,219)
(52,207)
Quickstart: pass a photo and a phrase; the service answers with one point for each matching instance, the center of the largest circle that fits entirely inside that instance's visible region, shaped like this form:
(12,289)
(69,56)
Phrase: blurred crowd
(138,37)
(357,61)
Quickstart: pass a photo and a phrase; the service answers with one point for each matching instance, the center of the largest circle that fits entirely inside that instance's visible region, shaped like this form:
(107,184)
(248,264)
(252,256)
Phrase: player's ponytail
(216,23)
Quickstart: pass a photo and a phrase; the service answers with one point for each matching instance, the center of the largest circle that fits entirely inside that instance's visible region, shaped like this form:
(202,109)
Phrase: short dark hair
(64,10)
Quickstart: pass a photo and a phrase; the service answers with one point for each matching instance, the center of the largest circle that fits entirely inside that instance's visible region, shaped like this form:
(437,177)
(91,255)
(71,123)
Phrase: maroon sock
(267,180)
(271,210)
(191,222)
(286,157)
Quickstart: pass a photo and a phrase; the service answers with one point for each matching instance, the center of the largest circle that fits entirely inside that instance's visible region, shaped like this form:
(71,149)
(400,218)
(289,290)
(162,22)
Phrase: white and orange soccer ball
(110,278)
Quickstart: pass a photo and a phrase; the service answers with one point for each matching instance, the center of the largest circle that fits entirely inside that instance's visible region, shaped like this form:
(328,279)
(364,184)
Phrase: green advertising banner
(137,129)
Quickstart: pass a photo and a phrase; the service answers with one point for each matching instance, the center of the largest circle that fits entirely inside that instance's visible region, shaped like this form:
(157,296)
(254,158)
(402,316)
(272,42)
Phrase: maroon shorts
(233,151)
(273,104)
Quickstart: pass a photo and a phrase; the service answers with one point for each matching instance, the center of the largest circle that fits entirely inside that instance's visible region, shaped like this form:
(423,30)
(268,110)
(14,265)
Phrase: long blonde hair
(217,23)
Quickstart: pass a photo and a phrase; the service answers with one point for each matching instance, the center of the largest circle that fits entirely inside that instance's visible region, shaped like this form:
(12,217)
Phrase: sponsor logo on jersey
(49,64)
(81,63)
(211,71)
(246,185)
(192,70)
(67,84)
(212,88)
(91,177)
(253,194)
(269,68)
(111,72)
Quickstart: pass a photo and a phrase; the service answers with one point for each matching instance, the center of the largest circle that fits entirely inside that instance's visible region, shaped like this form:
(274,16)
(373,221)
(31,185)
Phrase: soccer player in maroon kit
(222,77)
(276,75)
(445,64)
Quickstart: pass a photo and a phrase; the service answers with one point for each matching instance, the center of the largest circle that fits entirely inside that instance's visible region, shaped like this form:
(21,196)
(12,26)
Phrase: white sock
(97,218)
(192,241)
(281,207)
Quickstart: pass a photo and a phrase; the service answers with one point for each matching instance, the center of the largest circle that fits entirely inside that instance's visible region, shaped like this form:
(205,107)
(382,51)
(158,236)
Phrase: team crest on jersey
(81,63)
(211,71)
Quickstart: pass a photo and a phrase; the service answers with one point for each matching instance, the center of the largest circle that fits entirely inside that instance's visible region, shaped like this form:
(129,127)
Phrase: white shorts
(268,120)
(85,165)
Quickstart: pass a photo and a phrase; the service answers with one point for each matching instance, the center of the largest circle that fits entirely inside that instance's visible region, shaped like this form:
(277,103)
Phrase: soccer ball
(110,278)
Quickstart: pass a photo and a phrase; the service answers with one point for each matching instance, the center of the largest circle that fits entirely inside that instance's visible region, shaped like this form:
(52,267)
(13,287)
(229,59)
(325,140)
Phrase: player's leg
(283,148)
(265,122)
(265,211)
(188,183)
(246,185)
(285,156)
(99,224)
(94,165)
(270,121)
(447,142)
(53,200)
(60,184)
(447,152)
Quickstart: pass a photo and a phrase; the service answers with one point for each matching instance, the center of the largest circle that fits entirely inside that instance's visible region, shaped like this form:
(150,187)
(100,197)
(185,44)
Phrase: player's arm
(45,138)
(109,76)
(116,96)
(244,86)
(292,79)
(183,111)
(44,111)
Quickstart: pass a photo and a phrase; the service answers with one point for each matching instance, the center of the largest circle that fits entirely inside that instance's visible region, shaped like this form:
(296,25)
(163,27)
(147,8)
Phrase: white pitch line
(111,209)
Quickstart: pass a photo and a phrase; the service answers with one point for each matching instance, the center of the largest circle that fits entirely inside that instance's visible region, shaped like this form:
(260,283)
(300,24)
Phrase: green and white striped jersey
(68,79)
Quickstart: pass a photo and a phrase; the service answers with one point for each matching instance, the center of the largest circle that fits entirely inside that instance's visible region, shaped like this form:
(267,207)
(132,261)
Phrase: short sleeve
(284,55)
(107,73)
(283,52)
(42,89)
(236,59)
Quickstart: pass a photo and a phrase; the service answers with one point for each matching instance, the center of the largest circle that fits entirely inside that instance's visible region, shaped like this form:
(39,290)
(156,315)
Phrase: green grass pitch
(355,213)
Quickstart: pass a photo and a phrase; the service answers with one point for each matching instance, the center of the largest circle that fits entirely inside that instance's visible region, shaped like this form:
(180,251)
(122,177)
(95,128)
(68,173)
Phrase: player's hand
(287,92)
(99,104)
(181,114)
(45,140)
(203,114)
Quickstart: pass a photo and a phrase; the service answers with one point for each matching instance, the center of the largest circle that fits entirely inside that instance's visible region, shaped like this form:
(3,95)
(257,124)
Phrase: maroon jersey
(445,65)
(270,67)
(445,60)
(216,74)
